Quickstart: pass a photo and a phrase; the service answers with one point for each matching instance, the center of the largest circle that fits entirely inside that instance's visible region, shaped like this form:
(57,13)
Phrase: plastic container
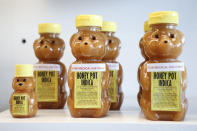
(88,76)
(163,77)
(50,73)
(116,72)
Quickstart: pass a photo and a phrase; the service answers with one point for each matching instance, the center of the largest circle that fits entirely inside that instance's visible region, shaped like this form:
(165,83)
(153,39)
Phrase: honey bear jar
(88,76)
(162,76)
(23,101)
(112,52)
(50,73)
(146,28)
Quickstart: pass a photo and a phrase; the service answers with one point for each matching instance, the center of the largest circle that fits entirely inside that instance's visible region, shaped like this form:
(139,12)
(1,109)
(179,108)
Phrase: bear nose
(20,84)
(86,43)
(165,41)
(45,46)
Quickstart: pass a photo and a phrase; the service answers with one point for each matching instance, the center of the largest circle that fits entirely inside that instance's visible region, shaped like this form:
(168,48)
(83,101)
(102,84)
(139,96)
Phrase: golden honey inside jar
(162,77)
(88,76)
(146,29)
(116,73)
(23,101)
(50,72)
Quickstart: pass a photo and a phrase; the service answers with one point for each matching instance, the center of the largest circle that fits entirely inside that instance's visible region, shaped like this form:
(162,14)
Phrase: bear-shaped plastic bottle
(116,73)
(146,28)
(88,76)
(163,77)
(23,101)
(50,73)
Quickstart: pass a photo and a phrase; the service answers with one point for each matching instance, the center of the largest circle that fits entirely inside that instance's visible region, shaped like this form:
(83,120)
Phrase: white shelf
(61,120)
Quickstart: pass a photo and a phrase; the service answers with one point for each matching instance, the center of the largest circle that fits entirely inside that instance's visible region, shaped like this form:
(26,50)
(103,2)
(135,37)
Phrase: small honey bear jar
(23,101)
(115,68)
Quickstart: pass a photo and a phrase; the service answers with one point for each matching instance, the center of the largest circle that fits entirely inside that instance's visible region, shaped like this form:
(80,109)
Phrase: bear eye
(52,42)
(157,36)
(93,38)
(41,42)
(110,41)
(17,80)
(24,80)
(79,38)
(172,36)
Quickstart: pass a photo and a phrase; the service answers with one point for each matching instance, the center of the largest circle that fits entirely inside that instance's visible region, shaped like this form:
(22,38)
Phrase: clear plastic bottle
(23,101)
(163,77)
(50,73)
(116,73)
(88,76)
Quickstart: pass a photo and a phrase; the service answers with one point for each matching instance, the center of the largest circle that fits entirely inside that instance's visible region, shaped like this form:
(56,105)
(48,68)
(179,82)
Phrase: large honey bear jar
(116,73)
(146,28)
(23,101)
(50,73)
(88,76)
(163,77)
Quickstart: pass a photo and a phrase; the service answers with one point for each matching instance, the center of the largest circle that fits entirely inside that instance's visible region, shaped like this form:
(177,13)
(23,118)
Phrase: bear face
(112,48)
(49,48)
(88,45)
(23,83)
(163,43)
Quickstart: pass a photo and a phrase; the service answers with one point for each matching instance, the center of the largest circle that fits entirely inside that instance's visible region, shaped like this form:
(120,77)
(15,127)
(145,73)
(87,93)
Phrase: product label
(112,91)
(87,85)
(20,104)
(165,86)
(47,82)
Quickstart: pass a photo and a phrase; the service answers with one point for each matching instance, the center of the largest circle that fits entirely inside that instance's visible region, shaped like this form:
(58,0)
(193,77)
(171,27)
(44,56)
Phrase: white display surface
(61,120)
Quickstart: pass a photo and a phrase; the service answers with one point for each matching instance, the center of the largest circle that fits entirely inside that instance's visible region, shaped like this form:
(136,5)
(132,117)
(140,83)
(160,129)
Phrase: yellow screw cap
(163,17)
(146,26)
(109,26)
(89,20)
(49,28)
(24,70)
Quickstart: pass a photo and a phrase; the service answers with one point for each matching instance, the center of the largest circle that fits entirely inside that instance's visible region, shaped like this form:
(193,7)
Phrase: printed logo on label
(87,87)
(179,66)
(20,104)
(88,67)
(165,86)
(47,82)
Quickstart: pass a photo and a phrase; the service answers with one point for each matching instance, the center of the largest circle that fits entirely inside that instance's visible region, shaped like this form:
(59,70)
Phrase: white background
(20,18)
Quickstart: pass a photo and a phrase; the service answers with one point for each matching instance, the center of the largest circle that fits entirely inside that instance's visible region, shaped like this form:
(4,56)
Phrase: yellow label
(165,91)
(47,86)
(20,104)
(113,86)
(87,89)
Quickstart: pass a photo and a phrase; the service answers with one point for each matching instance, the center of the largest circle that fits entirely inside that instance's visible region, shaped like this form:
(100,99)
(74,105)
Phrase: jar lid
(23,70)
(109,26)
(146,26)
(163,17)
(49,28)
(89,20)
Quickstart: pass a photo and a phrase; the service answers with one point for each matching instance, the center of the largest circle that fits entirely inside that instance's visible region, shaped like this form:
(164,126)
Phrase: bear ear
(147,36)
(104,38)
(182,38)
(63,44)
(73,37)
(35,42)
(142,43)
